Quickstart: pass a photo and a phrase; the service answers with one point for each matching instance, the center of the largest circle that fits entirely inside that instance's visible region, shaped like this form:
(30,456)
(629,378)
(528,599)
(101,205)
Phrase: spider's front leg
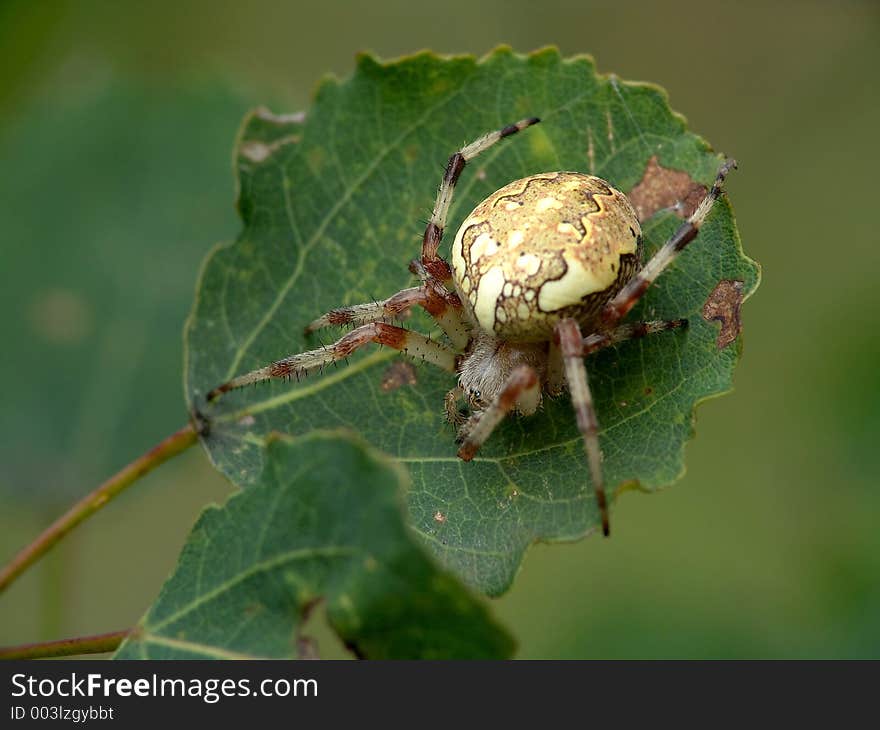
(433,295)
(431,265)
(412,343)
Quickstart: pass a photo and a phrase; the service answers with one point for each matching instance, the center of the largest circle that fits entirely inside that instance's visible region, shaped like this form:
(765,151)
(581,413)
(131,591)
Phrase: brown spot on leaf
(398,374)
(663,187)
(439,517)
(723,306)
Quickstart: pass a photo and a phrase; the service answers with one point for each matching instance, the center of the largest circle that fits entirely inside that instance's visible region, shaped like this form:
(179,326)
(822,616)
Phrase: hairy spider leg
(627,297)
(522,384)
(568,335)
(630,331)
(432,269)
(443,306)
(431,263)
(599,341)
(556,375)
(412,343)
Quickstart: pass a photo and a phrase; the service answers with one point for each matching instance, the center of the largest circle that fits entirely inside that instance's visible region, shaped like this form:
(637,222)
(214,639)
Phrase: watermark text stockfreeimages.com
(209,690)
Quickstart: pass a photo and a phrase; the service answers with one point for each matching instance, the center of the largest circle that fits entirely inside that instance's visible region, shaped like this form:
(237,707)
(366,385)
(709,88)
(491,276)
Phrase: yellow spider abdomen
(550,246)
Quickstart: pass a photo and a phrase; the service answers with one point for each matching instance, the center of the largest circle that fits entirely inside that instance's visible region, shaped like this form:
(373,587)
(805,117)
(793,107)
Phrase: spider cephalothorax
(535,266)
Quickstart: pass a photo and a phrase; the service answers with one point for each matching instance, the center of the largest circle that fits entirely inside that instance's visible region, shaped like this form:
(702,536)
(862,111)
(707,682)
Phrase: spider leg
(627,297)
(599,341)
(631,331)
(570,341)
(443,306)
(522,384)
(412,343)
(435,266)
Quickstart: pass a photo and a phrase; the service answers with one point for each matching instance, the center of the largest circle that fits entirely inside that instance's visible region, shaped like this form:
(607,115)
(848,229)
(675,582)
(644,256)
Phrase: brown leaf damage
(397,375)
(662,187)
(723,306)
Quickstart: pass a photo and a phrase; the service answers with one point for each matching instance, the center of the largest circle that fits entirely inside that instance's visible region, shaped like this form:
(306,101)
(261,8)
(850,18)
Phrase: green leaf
(323,524)
(333,210)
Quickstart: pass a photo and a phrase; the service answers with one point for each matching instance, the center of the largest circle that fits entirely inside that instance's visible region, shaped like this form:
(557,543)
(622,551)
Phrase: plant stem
(57,567)
(66,647)
(91,503)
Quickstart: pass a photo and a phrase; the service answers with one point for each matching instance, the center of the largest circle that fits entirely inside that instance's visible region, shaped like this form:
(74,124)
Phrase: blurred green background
(116,128)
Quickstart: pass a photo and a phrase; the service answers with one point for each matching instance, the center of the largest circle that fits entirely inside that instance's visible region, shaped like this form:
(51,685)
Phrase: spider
(536,266)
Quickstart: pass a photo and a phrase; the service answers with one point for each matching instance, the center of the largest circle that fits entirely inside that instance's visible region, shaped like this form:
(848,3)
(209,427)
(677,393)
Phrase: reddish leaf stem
(91,503)
(98,644)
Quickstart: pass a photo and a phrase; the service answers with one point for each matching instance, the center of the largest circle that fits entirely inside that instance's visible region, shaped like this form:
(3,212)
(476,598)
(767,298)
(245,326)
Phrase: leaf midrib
(289,556)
